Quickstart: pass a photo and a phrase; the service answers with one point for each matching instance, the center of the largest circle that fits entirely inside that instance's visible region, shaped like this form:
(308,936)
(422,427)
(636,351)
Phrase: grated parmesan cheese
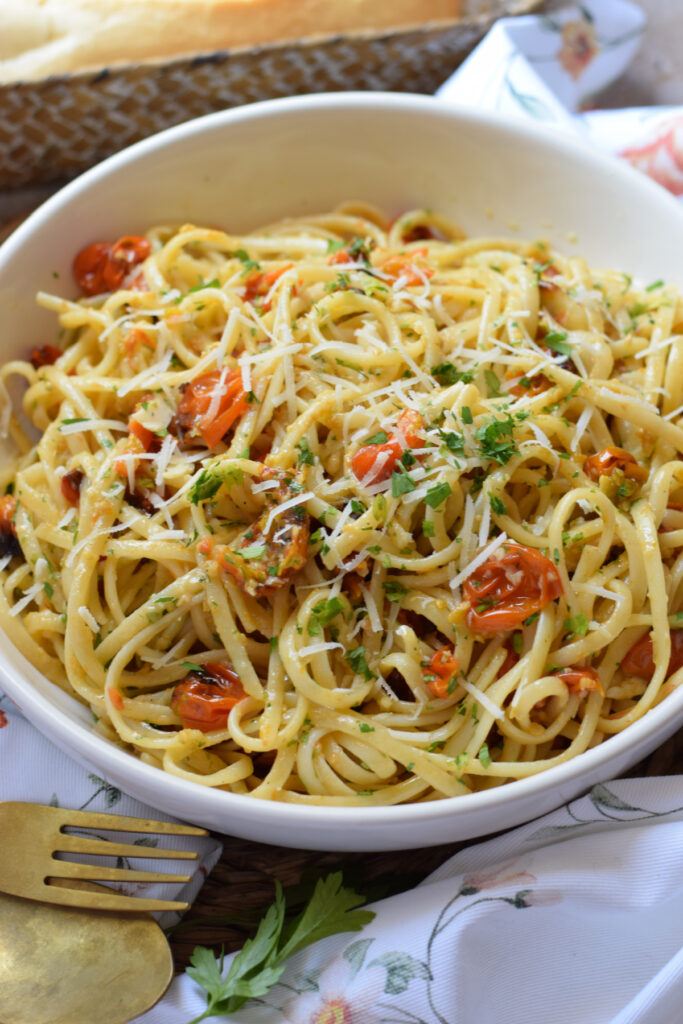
(479,560)
(89,619)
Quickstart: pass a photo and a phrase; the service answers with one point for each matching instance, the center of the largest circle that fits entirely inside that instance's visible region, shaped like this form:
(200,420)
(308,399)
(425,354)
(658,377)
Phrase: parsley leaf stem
(260,963)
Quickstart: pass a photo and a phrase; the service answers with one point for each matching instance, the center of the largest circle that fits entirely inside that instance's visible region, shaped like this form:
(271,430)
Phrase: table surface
(242,884)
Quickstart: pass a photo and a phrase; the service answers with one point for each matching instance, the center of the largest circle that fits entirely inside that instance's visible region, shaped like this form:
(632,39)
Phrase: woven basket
(57,127)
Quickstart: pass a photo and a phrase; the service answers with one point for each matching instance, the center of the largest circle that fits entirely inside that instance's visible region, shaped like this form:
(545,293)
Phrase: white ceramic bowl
(242,168)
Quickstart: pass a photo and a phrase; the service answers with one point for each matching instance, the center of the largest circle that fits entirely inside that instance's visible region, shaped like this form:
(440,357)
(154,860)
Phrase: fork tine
(66,897)
(100,847)
(119,823)
(68,869)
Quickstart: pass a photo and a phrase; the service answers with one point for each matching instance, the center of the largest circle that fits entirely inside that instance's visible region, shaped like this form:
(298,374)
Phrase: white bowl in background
(242,168)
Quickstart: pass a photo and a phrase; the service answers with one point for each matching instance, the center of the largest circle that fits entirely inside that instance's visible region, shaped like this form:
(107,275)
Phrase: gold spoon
(59,965)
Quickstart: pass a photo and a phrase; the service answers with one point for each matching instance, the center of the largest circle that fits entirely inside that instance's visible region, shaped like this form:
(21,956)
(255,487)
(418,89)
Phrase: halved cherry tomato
(136,339)
(133,446)
(102,266)
(513,584)
(357,250)
(195,415)
(9,545)
(611,458)
(267,555)
(376,462)
(45,355)
(407,266)
(71,486)
(8,506)
(260,284)
(640,659)
(534,386)
(418,233)
(511,659)
(205,698)
(441,672)
(580,681)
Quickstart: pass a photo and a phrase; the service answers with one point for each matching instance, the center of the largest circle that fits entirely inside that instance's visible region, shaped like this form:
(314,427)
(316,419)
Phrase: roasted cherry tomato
(609,459)
(8,506)
(640,659)
(9,545)
(511,585)
(103,266)
(259,285)
(531,387)
(580,681)
(441,672)
(199,414)
(407,267)
(71,486)
(133,446)
(268,554)
(205,698)
(45,355)
(376,462)
(356,251)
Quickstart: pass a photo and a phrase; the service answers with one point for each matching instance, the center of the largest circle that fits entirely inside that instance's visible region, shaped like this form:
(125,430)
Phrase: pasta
(350,512)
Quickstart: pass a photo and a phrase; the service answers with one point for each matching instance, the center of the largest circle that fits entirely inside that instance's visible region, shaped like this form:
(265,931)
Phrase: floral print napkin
(575,918)
(550,68)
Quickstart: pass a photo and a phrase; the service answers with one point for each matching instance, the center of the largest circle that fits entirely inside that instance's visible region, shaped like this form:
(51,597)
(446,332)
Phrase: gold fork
(33,834)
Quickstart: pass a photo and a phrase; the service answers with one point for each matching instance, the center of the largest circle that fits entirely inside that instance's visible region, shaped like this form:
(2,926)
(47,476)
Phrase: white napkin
(576,918)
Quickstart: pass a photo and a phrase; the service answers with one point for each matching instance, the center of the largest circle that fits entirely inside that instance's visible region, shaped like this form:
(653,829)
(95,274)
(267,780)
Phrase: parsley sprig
(262,960)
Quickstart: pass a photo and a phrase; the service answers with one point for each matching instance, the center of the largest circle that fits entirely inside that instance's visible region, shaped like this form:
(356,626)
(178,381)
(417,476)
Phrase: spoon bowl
(59,965)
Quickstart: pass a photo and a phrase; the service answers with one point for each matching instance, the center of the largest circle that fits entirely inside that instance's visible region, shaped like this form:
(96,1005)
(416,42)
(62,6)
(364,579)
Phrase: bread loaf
(45,37)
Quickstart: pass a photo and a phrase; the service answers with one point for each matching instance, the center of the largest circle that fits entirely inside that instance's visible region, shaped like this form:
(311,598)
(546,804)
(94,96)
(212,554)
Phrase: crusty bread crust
(45,37)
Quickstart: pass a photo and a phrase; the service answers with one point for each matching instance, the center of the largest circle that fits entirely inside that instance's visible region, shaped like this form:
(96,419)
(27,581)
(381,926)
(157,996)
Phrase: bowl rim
(54,721)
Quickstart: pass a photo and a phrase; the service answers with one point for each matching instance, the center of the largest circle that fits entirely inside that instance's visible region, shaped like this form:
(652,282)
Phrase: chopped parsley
(209,481)
(447,374)
(305,456)
(557,341)
(576,625)
(498,506)
(394,590)
(401,483)
(357,661)
(436,495)
(496,439)
(322,614)
(493,382)
(252,551)
(455,443)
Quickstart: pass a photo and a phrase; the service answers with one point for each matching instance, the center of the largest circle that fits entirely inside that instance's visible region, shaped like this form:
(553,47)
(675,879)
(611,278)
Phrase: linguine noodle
(349,512)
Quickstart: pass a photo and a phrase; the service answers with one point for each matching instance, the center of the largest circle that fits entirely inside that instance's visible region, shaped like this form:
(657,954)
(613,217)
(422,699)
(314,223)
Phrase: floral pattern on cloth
(549,66)
(660,156)
(579,46)
(501,932)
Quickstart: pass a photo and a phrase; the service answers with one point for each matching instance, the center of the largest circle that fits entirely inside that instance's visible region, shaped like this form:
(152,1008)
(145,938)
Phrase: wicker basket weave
(56,127)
